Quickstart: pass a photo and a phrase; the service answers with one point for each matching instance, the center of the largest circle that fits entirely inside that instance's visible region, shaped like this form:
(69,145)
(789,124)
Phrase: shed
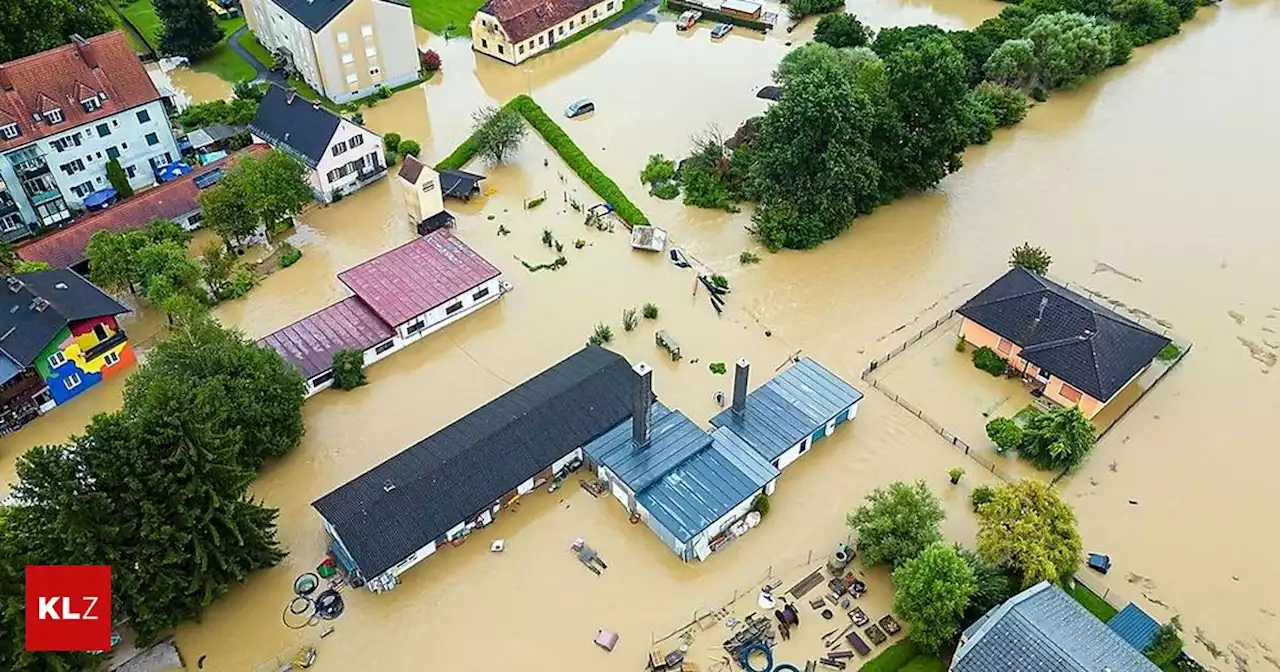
(744,9)
(460,184)
(1134,626)
(781,419)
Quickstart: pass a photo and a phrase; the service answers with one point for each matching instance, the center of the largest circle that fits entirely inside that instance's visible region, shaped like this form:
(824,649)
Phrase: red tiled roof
(67,247)
(60,78)
(418,276)
(309,343)
(522,19)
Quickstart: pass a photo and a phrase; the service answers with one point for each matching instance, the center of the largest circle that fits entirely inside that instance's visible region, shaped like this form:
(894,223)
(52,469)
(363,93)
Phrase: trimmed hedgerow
(555,136)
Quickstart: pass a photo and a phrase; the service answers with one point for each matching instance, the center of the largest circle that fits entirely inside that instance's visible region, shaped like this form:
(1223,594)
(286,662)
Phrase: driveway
(265,74)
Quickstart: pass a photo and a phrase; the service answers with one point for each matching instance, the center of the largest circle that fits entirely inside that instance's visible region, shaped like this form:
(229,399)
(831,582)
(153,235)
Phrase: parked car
(720,30)
(579,107)
(688,20)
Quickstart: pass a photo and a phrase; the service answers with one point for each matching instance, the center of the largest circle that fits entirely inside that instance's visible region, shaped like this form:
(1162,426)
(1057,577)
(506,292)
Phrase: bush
(955,474)
(659,169)
(717,368)
(601,335)
(720,281)
(629,319)
(761,505)
(118,179)
(666,191)
(1168,353)
(409,148)
(986,359)
(799,9)
(842,30)
(981,495)
(748,258)
(1166,647)
(348,369)
(243,281)
(430,60)
(979,120)
(960,344)
(1005,433)
(703,188)
(391,141)
(650,311)
(289,255)
(1007,103)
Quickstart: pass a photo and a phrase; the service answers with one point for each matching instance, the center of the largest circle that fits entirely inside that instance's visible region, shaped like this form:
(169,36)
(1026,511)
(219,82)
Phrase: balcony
(44,197)
(7,204)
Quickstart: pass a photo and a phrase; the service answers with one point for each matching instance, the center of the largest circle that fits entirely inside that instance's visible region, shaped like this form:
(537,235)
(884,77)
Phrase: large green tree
(1069,48)
(250,390)
(812,164)
(32,26)
(897,523)
(498,132)
(226,209)
(1013,63)
(1146,20)
(991,586)
(842,30)
(189,28)
(1059,438)
(1027,529)
(114,257)
(931,592)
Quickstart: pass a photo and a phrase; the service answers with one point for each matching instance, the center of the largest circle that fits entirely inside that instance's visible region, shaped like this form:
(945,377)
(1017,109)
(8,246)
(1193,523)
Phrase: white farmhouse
(341,155)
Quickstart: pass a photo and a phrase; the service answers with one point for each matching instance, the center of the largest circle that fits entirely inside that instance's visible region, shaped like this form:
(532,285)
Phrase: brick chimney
(641,401)
(85,50)
(741,369)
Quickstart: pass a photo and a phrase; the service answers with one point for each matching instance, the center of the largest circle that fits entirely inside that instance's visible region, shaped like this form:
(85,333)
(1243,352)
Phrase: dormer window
(91,104)
(10,131)
(53,116)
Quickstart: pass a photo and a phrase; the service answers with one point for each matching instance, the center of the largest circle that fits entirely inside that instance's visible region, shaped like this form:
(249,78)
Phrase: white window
(56,360)
(11,222)
(9,131)
(72,381)
(371,52)
(348,58)
(91,104)
(339,147)
(111,359)
(352,79)
(54,116)
(366,30)
(342,38)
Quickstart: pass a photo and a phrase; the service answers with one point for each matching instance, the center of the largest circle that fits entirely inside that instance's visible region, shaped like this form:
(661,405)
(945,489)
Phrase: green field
(436,15)
(1091,601)
(143,16)
(224,62)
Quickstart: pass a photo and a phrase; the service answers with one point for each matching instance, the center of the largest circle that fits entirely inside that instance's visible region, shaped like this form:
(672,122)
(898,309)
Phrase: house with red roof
(399,297)
(517,30)
(64,115)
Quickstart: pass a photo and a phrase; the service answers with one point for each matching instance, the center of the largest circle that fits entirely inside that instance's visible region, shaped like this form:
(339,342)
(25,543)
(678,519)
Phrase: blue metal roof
(1134,626)
(686,478)
(791,406)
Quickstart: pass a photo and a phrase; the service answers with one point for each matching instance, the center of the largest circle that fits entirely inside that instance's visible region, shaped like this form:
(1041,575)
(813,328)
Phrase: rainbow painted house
(58,338)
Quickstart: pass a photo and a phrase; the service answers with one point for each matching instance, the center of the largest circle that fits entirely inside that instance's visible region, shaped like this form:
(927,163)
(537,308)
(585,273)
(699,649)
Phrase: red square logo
(68,608)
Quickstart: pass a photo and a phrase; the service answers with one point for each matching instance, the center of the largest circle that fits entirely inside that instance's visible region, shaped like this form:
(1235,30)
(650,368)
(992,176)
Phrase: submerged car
(720,30)
(688,20)
(579,107)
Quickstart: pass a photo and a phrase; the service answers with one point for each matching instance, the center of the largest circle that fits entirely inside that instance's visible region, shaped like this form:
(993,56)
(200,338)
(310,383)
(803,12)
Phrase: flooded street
(1152,185)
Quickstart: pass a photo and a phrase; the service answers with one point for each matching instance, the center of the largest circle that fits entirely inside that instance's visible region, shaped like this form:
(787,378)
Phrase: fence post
(810,561)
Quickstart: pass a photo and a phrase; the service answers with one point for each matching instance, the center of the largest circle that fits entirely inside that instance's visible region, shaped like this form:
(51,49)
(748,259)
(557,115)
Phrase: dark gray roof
(415,497)
(1094,349)
(25,331)
(294,124)
(316,14)
(791,406)
(1043,630)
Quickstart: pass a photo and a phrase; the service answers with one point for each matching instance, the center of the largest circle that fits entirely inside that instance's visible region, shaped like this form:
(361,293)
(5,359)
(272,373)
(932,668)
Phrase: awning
(459,183)
(100,198)
(440,220)
(172,171)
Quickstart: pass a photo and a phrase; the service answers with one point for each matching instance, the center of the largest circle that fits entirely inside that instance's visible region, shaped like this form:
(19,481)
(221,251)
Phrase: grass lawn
(1091,601)
(142,15)
(923,663)
(224,62)
(627,6)
(435,15)
(250,43)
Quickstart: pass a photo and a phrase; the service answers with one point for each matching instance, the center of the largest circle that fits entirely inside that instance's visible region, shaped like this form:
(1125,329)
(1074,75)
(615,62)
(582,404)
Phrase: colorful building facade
(82,355)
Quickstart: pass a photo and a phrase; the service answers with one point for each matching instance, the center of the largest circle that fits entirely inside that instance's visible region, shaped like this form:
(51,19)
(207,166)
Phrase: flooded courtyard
(1151,185)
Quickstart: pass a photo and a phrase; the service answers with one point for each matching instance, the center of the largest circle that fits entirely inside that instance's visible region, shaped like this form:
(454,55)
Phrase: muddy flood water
(1153,185)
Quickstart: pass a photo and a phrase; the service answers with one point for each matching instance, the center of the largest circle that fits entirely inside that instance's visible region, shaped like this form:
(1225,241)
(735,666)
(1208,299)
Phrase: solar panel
(208,179)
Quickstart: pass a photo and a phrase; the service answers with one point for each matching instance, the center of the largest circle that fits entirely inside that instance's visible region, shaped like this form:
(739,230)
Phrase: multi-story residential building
(66,112)
(517,30)
(344,49)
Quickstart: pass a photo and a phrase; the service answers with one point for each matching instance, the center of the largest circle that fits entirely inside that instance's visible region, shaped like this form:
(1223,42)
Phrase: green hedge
(555,136)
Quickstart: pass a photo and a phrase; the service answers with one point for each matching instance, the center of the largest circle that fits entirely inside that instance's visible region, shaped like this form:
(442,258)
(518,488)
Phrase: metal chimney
(641,402)
(741,369)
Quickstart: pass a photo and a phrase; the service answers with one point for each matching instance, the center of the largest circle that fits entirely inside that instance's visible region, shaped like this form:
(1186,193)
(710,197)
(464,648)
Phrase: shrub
(799,9)
(289,255)
(409,148)
(1168,353)
(1166,647)
(986,359)
(118,179)
(1031,258)
(547,238)
(960,344)
(630,319)
(535,202)
(498,132)
(650,311)
(430,60)
(348,369)
(1039,95)
(601,335)
(1005,433)
(981,495)
(761,505)
(717,368)
(579,243)
(666,191)
(703,188)
(720,281)
(391,141)
(748,258)
(842,30)
(659,169)
(243,281)
(956,473)
(979,120)
(1058,439)
(1007,103)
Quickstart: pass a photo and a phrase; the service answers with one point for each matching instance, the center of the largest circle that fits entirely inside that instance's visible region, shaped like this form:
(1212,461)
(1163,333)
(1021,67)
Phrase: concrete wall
(1055,389)
(488,36)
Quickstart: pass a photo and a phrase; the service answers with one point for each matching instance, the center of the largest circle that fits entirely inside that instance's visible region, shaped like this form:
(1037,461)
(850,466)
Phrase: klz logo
(68,608)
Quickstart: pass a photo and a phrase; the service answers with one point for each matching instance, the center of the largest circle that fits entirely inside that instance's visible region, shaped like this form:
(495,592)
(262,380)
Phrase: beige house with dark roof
(517,30)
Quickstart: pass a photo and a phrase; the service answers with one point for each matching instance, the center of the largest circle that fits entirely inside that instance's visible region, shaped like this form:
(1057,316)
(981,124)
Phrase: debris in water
(1208,644)
(1133,502)
(1258,352)
(768,334)
(1239,319)
(1103,267)
(1155,601)
(1114,464)
(1140,579)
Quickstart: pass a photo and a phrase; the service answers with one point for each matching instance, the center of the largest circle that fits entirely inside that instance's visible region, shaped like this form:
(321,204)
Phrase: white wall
(397,43)
(487,39)
(702,543)
(372,145)
(277,28)
(126,134)
(437,318)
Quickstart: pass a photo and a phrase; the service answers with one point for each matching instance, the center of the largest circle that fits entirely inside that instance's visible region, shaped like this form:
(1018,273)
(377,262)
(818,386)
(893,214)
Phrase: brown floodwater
(1150,185)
